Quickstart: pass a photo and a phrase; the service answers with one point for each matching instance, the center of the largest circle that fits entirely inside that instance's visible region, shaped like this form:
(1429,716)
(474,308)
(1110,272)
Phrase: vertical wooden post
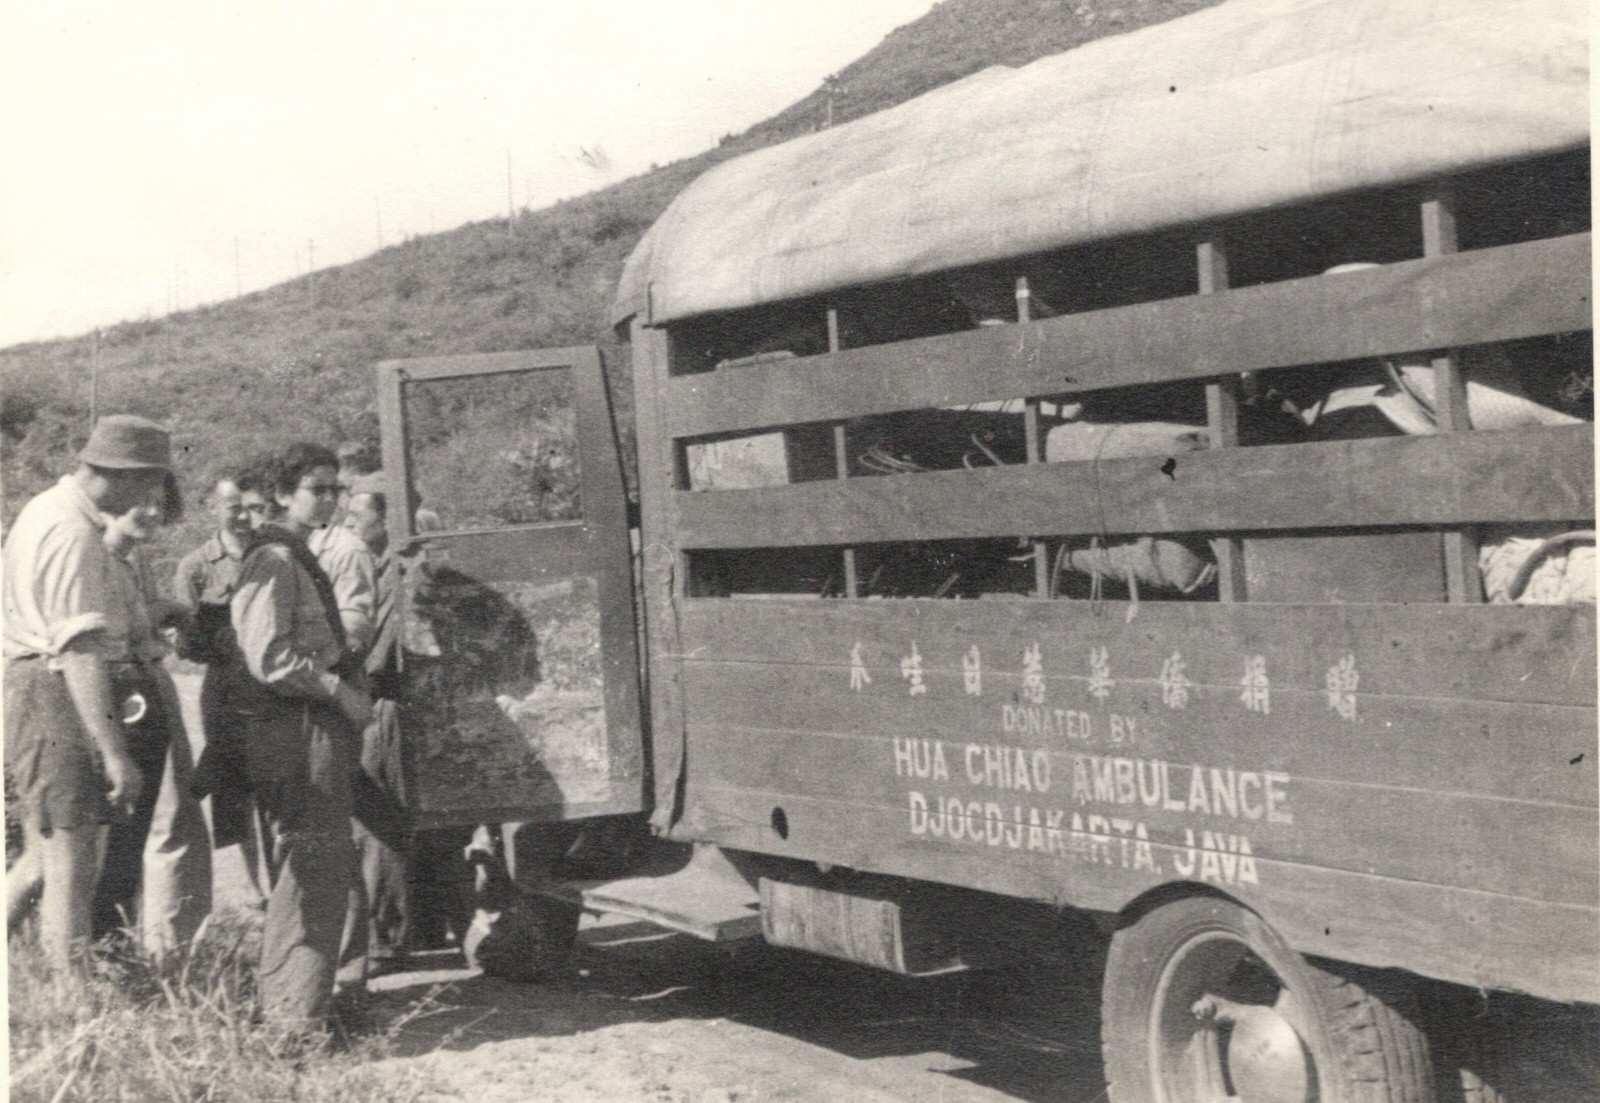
(663,567)
(1463,582)
(1033,443)
(841,463)
(1222,421)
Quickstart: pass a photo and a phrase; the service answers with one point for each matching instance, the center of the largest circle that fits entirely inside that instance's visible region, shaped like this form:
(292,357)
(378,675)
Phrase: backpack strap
(275,535)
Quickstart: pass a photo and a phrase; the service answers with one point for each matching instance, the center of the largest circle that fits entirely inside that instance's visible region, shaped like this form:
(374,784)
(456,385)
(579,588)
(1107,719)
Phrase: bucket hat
(126,441)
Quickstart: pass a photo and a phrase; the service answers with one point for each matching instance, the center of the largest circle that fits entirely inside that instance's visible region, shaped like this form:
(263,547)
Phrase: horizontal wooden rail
(1513,291)
(1542,474)
(1406,650)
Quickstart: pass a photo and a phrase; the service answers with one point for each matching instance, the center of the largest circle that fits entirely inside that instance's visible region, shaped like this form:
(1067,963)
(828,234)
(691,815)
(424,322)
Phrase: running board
(707,898)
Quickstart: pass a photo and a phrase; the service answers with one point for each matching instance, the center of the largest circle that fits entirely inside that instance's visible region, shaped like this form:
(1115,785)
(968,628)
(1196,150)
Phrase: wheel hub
(1267,1061)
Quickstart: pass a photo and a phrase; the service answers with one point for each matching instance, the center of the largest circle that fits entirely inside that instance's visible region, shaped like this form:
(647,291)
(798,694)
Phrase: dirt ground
(646,1017)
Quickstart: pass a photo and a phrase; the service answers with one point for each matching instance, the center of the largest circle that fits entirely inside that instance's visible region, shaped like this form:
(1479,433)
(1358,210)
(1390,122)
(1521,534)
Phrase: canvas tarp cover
(1252,104)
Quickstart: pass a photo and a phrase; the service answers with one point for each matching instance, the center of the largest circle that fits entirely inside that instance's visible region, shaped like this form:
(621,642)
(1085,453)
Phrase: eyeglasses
(323,490)
(255,507)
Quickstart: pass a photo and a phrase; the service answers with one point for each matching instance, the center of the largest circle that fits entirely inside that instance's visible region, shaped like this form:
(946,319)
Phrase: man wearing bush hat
(63,744)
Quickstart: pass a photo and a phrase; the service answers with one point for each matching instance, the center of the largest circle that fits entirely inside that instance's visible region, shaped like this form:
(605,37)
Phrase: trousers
(300,760)
(177,852)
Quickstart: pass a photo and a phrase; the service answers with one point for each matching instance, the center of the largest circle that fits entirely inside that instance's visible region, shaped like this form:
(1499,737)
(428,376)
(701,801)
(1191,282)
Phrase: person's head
(254,481)
(305,485)
(227,507)
(367,511)
(356,458)
(126,463)
(162,504)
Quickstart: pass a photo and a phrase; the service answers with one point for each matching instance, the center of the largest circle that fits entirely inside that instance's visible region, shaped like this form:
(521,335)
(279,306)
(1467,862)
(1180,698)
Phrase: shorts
(52,761)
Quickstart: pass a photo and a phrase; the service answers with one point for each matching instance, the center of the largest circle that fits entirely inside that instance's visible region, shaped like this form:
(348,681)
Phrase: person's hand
(354,703)
(126,781)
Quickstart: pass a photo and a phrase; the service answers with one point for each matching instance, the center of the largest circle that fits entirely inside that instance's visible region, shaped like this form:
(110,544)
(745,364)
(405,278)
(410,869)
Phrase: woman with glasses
(302,722)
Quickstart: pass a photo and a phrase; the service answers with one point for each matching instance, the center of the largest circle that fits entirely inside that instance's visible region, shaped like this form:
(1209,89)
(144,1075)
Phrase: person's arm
(188,581)
(89,685)
(188,586)
(355,591)
(264,606)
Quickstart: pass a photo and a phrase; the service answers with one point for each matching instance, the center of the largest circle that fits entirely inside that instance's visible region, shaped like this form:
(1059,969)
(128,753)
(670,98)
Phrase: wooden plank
(661,569)
(419,368)
(1508,292)
(1535,475)
(1515,654)
(1222,422)
(1469,937)
(1033,446)
(1462,580)
(1528,754)
(401,511)
(548,805)
(1470,840)
(841,463)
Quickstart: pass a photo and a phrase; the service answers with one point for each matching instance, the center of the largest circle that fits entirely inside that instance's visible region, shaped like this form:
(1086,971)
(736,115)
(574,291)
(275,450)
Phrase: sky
(164,154)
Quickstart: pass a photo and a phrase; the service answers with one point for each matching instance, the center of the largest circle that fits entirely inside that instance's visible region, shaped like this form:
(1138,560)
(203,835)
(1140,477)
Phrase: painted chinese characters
(859,678)
(972,672)
(1033,675)
(1174,683)
(1342,682)
(1100,681)
(911,671)
(1257,695)
(1029,706)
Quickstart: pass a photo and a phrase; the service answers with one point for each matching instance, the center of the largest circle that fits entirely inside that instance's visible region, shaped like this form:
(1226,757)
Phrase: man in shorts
(63,736)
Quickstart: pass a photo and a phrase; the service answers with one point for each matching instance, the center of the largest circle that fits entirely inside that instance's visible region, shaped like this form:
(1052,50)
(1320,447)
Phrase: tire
(1203,1002)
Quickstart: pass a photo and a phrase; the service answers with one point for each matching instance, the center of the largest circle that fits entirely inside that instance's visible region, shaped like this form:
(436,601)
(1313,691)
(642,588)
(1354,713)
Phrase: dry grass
(141,1032)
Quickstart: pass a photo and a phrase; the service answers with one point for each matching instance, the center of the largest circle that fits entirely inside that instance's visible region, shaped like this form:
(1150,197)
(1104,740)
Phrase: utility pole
(94,379)
(377,210)
(238,282)
(511,203)
(311,270)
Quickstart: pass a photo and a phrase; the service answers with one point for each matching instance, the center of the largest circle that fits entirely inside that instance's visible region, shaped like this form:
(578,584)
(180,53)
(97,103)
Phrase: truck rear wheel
(1203,1003)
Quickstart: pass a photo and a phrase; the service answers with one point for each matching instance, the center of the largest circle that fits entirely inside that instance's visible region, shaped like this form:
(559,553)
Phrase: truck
(1153,486)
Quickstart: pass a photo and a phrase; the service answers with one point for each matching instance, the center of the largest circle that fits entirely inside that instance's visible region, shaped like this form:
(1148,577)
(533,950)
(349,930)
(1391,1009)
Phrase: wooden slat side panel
(1518,654)
(1474,938)
(1474,841)
(1531,754)
(1514,291)
(1525,475)
(1517,753)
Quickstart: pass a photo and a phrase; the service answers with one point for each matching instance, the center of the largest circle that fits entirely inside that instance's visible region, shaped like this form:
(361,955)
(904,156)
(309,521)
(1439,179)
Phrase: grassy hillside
(295,360)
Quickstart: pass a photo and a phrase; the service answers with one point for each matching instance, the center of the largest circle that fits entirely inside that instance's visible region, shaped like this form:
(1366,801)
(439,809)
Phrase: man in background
(204,584)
